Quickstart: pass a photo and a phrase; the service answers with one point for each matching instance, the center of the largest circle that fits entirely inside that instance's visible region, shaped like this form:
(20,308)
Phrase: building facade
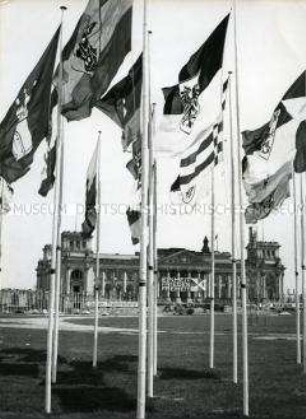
(184,276)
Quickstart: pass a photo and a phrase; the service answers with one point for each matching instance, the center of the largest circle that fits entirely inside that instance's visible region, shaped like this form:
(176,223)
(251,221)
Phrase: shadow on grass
(89,398)
(18,369)
(27,355)
(22,362)
(120,363)
(83,388)
(181,373)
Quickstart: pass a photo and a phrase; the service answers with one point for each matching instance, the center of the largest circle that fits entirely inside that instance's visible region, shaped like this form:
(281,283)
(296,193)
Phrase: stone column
(281,287)
(264,287)
(178,289)
(189,300)
(67,279)
(124,282)
(229,286)
(168,287)
(220,286)
(86,280)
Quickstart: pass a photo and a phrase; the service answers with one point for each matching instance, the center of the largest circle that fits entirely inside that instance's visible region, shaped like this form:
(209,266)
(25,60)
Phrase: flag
(5,197)
(182,99)
(272,201)
(271,149)
(134,219)
(122,104)
(94,53)
(134,165)
(27,121)
(300,145)
(171,141)
(48,171)
(89,223)
(204,152)
(260,138)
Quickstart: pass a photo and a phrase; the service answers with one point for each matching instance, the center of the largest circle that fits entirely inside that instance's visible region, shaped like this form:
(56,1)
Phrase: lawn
(185,387)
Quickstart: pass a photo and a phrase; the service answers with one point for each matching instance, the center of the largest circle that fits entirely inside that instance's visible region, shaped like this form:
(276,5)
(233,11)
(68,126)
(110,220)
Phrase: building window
(84,244)
(78,244)
(71,244)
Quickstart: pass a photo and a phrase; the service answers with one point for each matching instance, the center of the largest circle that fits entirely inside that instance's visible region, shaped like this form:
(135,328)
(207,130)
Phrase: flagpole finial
(230,72)
(150,32)
(63,8)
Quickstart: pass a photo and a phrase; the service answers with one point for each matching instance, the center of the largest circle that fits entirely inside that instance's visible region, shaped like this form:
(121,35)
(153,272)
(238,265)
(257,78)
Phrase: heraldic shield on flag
(27,122)
(270,151)
(181,106)
(94,53)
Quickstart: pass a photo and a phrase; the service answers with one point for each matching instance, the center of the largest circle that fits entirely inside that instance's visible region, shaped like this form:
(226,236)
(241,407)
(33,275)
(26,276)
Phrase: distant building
(184,275)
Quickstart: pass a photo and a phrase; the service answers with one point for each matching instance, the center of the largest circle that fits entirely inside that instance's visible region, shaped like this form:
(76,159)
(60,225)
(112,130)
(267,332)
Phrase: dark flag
(134,217)
(134,165)
(260,138)
(49,172)
(90,221)
(270,151)
(94,53)
(300,144)
(122,104)
(27,122)
(194,77)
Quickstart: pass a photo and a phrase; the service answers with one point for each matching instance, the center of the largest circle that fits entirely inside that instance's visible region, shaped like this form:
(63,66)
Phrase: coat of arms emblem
(85,50)
(22,141)
(191,106)
(188,196)
(268,142)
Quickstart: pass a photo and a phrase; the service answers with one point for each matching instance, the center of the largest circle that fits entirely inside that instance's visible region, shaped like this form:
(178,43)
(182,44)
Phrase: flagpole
(155,267)
(242,238)
(233,217)
(1,227)
(303,262)
(151,298)
(58,251)
(212,284)
(55,232)
(141,379)
(96,290)
(296,272)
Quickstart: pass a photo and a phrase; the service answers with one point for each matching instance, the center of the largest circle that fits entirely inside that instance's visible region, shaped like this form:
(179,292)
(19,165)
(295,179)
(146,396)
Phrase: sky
(271,54)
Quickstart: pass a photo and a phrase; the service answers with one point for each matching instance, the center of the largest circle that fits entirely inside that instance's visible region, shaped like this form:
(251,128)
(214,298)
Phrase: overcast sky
(272,53)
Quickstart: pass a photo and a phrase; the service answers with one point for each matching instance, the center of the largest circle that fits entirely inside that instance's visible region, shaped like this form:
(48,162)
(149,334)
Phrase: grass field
(185,387)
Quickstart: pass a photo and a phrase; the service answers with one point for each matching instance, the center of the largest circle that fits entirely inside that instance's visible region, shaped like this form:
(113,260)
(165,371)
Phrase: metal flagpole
(233,216)
(58,253)
(141,379)
(151,299)
(296,272)
(303,262)
(212,283)
(55,230)
(98,206)
(242,238)
(1,226)
(155,267)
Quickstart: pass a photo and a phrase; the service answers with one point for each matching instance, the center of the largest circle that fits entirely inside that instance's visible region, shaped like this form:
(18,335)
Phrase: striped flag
(205,151)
